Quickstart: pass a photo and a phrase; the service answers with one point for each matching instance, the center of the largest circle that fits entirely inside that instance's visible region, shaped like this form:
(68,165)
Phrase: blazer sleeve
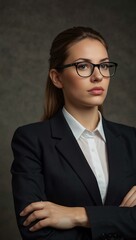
(28,186)
(110,220)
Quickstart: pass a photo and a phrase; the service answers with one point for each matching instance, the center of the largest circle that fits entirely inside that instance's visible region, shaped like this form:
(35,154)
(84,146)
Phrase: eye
(83,66)
(106,65)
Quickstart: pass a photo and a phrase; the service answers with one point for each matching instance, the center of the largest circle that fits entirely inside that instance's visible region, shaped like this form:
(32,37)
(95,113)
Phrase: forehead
(87,48)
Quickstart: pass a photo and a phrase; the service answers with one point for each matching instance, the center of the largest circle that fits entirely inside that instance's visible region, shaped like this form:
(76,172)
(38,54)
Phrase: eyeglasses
(86,69)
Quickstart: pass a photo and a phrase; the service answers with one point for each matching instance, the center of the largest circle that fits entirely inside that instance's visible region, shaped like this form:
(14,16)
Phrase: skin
(78,101)
(83,105)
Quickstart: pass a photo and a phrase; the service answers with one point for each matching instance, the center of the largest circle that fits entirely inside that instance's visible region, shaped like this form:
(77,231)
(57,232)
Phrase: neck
(87,117)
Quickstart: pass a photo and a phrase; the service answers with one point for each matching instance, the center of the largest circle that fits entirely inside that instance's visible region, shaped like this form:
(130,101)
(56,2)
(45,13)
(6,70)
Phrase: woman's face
(86,92)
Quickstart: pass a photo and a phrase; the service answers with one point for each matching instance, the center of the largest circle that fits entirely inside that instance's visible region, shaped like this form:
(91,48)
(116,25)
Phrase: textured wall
(27,28)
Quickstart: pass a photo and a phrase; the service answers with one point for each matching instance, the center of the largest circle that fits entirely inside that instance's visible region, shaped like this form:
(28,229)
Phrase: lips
(96,90)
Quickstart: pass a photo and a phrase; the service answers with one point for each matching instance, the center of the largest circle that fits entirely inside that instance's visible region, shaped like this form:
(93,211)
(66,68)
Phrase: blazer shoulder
(33,129)
(120,129)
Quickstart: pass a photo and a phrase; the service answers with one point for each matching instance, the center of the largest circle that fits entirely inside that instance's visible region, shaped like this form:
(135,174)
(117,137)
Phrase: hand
(130,199)
(49,214)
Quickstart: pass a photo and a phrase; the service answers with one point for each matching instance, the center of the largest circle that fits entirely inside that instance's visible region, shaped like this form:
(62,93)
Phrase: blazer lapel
(116,156)
(67,145)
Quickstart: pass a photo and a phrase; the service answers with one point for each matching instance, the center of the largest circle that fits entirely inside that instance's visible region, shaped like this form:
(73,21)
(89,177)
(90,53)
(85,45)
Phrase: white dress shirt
(93,146)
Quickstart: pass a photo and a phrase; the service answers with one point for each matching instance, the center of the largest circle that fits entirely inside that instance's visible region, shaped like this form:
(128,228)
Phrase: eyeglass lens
(85,69)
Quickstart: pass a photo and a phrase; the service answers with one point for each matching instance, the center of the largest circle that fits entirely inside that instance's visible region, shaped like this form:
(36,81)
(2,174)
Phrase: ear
(55,77)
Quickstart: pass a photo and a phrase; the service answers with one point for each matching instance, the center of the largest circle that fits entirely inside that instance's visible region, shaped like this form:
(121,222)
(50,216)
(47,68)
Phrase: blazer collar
(67,145)
(116,162)
(78,129)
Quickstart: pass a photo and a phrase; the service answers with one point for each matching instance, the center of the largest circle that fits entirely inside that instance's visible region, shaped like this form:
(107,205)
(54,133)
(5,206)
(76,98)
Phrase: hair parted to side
(54,99)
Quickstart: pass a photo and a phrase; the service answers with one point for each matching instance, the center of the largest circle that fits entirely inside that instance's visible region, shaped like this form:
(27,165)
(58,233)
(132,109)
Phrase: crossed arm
(41,215)
(48,214)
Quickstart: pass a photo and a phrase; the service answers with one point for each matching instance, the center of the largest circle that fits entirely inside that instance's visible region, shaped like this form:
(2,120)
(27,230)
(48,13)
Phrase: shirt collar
(78,129)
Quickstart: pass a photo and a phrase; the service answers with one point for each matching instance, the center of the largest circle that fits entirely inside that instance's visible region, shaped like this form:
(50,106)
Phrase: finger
(39,214)
(130,197)
(127,197)
(129,202)
(133,204)
(32,207)
(41,224)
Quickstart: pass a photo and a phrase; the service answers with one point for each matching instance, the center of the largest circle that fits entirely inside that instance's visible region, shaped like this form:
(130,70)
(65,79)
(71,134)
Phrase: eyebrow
(89,60)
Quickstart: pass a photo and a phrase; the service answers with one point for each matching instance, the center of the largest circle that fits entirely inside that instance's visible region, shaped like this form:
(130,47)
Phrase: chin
(98,101)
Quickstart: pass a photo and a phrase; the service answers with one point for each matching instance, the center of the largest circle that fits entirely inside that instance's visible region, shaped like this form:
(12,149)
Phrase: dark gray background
(27,28)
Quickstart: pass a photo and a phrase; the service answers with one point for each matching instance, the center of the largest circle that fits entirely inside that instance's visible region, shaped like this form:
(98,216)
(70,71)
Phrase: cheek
(106,83)
(70,81)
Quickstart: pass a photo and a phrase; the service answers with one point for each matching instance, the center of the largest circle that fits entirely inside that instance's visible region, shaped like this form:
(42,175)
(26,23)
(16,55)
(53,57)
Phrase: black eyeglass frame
(94,65)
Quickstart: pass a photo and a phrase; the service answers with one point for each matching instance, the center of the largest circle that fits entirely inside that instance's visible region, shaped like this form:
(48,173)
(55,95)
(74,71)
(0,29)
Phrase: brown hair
(54,99)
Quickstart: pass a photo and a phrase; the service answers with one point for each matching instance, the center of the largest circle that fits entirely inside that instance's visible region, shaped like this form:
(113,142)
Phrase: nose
(96,75)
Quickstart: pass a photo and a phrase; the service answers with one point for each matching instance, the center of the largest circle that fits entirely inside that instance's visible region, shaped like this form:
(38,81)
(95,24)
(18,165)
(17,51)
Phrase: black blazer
(49,165)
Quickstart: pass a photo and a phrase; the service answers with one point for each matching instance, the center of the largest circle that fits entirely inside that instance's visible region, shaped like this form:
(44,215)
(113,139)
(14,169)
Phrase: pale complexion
(83,105)
(79,102)
(54,215)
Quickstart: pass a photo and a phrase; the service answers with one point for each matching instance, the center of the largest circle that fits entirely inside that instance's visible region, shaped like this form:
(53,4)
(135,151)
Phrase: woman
(74,173)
